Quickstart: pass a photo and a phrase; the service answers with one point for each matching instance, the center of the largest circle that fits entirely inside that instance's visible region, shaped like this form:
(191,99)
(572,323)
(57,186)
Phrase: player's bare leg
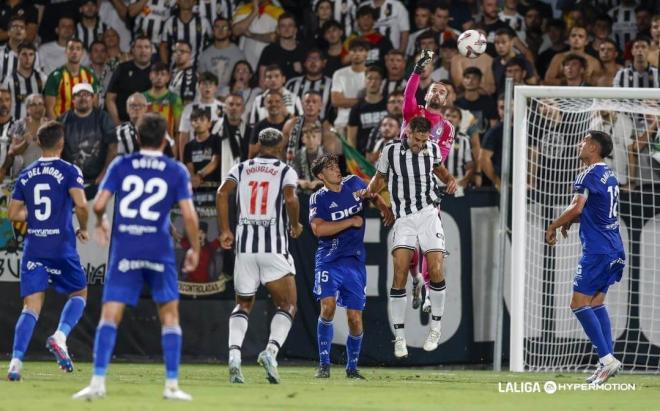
(23,332)
(324,332)
(398,300)
(353,343)
(238,325)
(71,313)
(171,343)
(283,293)
(437,294)
(104,344)
(581,304)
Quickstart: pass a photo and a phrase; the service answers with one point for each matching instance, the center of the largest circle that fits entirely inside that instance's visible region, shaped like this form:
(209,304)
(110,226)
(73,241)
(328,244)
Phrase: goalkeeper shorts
(597,272)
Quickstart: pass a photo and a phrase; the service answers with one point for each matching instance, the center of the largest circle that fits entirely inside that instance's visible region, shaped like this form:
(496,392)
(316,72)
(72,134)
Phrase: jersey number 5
(41,199)
(135,187)
(254,191)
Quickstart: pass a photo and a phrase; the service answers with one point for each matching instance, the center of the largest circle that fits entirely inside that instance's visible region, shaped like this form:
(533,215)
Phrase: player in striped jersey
(411,166)
(267,204)
(313,79)
(186,26)
(90,27)
(9,52)
(150,17)
(26,80)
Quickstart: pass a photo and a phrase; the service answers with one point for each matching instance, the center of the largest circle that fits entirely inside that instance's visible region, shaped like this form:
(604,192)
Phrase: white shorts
(423,229)
(259,268)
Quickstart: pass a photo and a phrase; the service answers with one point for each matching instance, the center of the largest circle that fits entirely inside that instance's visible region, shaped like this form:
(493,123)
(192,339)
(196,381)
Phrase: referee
(411,166)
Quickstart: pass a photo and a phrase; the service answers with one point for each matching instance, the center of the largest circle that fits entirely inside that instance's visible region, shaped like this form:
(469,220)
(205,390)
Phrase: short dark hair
(575,57)
(330,24)
(472,70)
(286,15)
(395,93)
(606,18)
(274,67)
(209,77)
(391,117)
(366,11)
(94,43)
(450,43)
(505,31)
(75,40)
(314,50)
(359,43)
(50,134)
(158,67)
(322,162)
(199,112)
(17,17)
(516,61)
(604,141)
(643,38)
(313,93)
(610,41)
(395,52)
(27,46)
(420,124)
(456,110)
(557,23)
(140,37)
(151,130)
(185,43)
(375,69)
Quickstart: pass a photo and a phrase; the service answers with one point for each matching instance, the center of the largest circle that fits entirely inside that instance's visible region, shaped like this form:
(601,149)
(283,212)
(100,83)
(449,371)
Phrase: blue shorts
(124,280)
(65,274)
(596,272)
(346,279)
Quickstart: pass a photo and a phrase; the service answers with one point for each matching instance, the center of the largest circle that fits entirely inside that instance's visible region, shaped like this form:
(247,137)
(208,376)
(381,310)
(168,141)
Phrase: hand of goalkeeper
(424,59)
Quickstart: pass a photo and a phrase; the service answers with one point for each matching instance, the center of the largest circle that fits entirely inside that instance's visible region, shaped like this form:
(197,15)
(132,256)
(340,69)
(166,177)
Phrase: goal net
(549,123)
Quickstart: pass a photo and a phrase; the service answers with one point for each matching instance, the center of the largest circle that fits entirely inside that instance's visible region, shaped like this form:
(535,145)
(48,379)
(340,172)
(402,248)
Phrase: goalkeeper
(595,206)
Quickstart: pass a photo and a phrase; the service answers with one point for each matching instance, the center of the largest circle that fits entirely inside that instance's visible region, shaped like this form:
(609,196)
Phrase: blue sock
(324,336)
(104,345)
(605,325)
(591,326)
(171,342)
(71,313)
(353,347)
(23,333)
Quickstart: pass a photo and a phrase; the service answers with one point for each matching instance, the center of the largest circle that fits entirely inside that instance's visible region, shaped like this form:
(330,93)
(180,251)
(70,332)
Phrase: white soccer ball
(472,44)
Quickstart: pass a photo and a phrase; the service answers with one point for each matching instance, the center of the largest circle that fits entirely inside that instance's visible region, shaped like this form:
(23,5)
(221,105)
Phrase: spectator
(447,54)
(302,163)
(59,85)
(311,116)
(126,132)
(184,75)
(116,16)
(515,69)
(423,20)
(6,124)
(578,43)
(506,52)
(379,45)
(25,9)
(187,26)
(130,77)
(277,115)
(491,149)
(9,52)
(574,67)
(54,54)
(348,81)
(25,80)
(116,55)
(321,13)
(286,52)
(212,10)
(332,34)
(554,43)
(234,134)
(654,50)
(533,34)
(482,107)
(90,28)
(274,81)
(607,53)
(641,73)
(440,30)
(393,21)
(368,112)
(24,145)
(202,159)
(313,79)
(207,87)
(242,79)
(222,55)
(255,23)
(459,159)
(388,131)
(490,21)
(207,269)
(395,66)
(161,100)
(621,128)
(343,12)
(484,63)
(643,161)
(602,31)
(89,137)
(98,62)
(515,20)
(395,110)
(149,17)
(625,25)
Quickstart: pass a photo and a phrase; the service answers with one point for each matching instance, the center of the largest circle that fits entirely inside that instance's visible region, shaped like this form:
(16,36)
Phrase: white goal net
(548,126)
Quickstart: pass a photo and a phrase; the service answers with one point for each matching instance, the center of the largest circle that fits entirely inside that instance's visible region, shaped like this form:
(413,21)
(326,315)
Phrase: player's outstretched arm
(191,225)
(17,211)
(446,177)
(80,204)
(566,218)
(222,206)
(375,185)
(293,211)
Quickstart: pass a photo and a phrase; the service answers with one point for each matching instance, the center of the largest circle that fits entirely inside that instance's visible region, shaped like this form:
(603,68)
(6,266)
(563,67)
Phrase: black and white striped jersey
(624,27)
(212,9)
(197,32)
(5,139)
(259,112)
(392,19)
(390,86)
(184,83)
(262,217)
(88,34)
(127,139)
(9,61)
(152,18)
(460,154)
(301,85)
(215,110)
(21,87)
(410,179)
(629,77)
(344,12)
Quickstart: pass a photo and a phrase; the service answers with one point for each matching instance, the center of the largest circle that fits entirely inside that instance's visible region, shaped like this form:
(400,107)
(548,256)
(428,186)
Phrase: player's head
(595,146)
(326,169)
(418,132)
(51,137)
(151,129)
(270,139)
(436,96)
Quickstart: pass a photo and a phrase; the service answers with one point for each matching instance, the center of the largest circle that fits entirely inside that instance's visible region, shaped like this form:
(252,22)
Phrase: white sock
(172,384)
(97,381)
(607,360)
(279,329)
(234,355)
(398,304)
(437,293)
(59,337)
(238,325)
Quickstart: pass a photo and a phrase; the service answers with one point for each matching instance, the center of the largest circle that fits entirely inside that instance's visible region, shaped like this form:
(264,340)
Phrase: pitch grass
(139,387)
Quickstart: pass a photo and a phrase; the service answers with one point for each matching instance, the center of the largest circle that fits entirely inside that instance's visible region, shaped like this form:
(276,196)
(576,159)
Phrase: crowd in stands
(219,71)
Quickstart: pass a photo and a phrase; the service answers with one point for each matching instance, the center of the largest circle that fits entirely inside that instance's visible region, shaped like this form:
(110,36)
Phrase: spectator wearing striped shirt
(395,67)
(293,128)
(9,52)
(6,124)
(387,132)
(459,161)
(184,75)
(149,17)
(515,20)
(274,82)
(207,87)
(313,79)
(25,80)
(90,27)
(186,26)
(127,142)
(641,73)
(393,21)
(625,23)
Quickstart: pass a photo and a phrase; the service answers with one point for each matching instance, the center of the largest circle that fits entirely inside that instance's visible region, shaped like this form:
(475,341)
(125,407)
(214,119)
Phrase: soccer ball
(472,44)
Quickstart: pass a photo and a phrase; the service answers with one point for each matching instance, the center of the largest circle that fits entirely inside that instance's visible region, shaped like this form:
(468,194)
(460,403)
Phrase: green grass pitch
(139,387)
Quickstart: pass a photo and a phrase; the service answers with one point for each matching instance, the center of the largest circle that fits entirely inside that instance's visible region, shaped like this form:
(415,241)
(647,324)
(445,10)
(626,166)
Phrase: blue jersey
(44,188)
(146,186)
(330,206)
(599,226)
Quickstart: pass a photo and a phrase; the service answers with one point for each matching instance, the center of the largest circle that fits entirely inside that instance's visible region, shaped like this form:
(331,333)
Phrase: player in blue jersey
(595,206)
(336,215)
(145,185)
(44,195)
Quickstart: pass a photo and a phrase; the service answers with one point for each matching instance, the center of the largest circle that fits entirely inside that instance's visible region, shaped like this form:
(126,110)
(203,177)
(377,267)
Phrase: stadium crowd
(220,71)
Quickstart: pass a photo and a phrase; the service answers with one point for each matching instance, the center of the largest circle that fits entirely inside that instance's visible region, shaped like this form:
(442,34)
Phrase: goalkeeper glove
(426,57)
